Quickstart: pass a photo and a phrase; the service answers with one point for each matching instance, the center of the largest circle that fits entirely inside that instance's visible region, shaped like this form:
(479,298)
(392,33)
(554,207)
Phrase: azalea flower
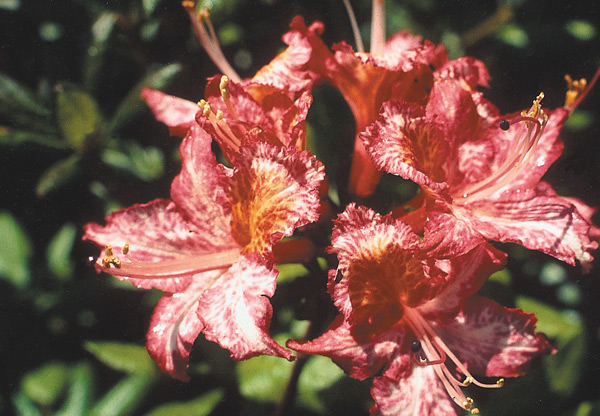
(480,172)
(209,247)
(412,321)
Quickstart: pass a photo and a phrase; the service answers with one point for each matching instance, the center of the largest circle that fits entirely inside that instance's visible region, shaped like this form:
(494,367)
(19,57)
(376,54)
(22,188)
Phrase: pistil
(162,269)
(430,350)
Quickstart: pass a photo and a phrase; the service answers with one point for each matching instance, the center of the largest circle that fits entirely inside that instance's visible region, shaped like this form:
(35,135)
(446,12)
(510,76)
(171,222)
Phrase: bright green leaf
(51,31)
(45,385)
(581,29)
(318,374)
(513,35)
(579,120)
(80,390)
(125,397)
(58,174)
(145,163)
(289,272)
(230,33)
(15,250)
(77,115)
(263,378)
(132,104)
(16,137)
(149,6)
(24,406)
(201,406)
(569,293)
(552,274)
(129,358)
(58,252)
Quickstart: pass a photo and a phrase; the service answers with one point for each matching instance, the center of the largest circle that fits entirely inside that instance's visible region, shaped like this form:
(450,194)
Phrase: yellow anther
(188,5)
(574,89)
(116,262)
(468,404)
(108,249)
(468,381)
(224,88)
(475,411)
(201,104)
(106,261)
(125,248)
(219,115)
(500,382)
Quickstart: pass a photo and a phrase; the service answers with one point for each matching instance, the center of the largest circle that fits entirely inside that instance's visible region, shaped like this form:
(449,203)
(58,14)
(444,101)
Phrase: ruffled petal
(236,311)
(174,327)
(493,340)
(420,393)
(178,114)
(157,233)
(359,360)
(199,192)
(470,70)
(273,191)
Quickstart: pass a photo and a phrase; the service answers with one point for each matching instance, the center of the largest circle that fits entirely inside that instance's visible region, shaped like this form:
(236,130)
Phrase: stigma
(430,350)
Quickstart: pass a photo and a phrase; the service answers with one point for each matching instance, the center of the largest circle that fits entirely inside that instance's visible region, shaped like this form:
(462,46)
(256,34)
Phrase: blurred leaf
(149,30)
(20,105)
(58,174)
(51,31)
(579,120)
(149,6)
(569,293)
(514,35)
(15,137)
(129,358)
(219,9)
(145,163)
(263,378)
(102,28)
(564,368)
(58,252)
(230,33)
(588,408)
(79,395)
(45,385)
(125,397)
(15,250)
(552,274)
(77,115)
(11,5)
(318,374)
(133,104)
(289,272)
(24,406)
(201,406)
(581,29)
(453,43)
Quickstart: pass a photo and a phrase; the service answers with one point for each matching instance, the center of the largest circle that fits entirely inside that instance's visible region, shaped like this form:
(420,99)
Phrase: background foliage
(76,142)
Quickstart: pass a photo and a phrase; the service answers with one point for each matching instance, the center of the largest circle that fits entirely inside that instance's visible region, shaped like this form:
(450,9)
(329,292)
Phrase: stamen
(355,30)
(125,248)
(208,39)
(225,135)
(574,89)
(170,268)
(378,27)
(224,88)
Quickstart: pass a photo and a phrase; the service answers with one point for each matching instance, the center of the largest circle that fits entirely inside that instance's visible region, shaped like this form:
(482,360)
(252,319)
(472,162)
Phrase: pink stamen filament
(378,27)
(355,30)
(520,153)
(197,263)
(224,132)
(436,353)
(209,41)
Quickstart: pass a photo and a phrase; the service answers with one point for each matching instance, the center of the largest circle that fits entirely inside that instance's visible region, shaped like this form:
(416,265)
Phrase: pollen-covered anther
(500,382)
(125,248)
(189,5)
(574,89)
(108,250)
(107,261)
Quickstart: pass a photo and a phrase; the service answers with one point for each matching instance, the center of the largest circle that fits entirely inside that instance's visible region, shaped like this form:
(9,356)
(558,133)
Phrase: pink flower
(480,173)
(413,322)
(210,247)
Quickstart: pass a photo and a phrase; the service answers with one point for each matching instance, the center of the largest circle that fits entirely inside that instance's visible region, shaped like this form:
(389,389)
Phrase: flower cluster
(405,283)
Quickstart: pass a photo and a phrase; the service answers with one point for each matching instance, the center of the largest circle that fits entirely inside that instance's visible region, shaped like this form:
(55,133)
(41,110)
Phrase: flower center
(530,125)
(177,267)
(430,350)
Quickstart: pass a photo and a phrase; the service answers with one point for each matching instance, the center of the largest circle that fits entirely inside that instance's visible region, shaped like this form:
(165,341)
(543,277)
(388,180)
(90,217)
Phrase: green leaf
(513,35)
(19,103)
(58,174)
(93,67)
(263,378)
(133,104)
(24,406)
(581,29)
(11,5)
(77,115)
(289,272)
(15,250)
(129,358)
(58,252)
(45,385)
(145,163)
(125,397)
(318,374)
(201,406)
(149,6)
(563,369)
(80,390)
(579,120)
(16,137)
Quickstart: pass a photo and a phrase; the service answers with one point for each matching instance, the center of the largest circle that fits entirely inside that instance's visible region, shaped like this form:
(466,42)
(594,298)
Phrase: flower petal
(359,360)
(420,393)
(236,311)
(199,191)
(273,191)
(493,340)
(174,327)
(178,114)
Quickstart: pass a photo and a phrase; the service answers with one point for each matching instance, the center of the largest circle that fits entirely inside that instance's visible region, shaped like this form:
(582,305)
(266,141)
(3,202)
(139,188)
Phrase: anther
(574,89)
(108,249)
(125,248)
(223,87)
(500,382)
(504,124)
(106,261)
(189,5)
